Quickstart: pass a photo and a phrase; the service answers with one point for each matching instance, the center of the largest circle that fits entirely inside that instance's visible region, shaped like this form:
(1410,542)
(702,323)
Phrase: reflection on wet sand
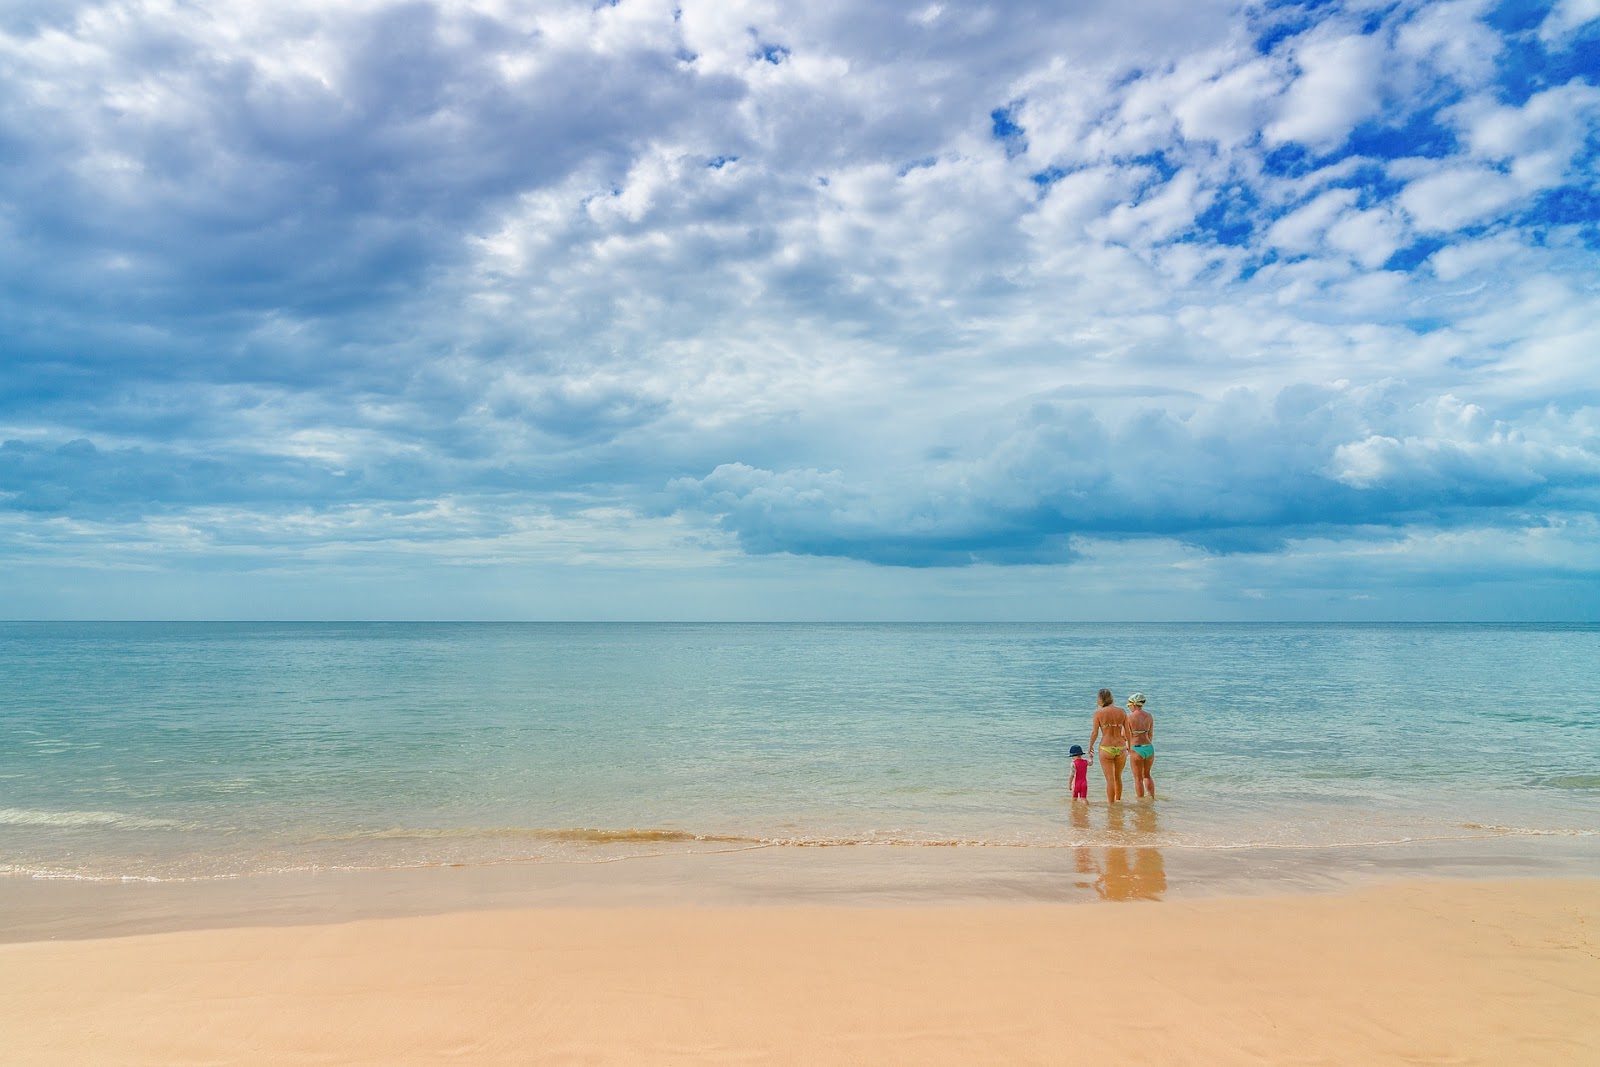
(1121,872)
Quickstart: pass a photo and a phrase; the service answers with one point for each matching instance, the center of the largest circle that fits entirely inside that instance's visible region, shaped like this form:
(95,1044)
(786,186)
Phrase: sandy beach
(1423,971)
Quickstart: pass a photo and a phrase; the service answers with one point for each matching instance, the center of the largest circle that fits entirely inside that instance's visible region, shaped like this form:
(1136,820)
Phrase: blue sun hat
(1075,750)
(1137,698)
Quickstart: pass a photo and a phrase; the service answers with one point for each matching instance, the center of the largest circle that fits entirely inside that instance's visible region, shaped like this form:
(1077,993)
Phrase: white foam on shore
(1530,831)
(607,847)
(31,817)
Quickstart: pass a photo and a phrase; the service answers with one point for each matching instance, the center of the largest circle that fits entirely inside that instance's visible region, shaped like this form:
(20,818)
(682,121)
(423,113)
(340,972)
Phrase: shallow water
(157,750)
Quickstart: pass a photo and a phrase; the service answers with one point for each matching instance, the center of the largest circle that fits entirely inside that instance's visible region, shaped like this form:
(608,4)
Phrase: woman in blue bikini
(1142,728)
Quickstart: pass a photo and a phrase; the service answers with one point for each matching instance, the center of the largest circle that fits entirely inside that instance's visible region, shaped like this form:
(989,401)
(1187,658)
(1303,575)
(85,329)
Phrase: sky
(754,309)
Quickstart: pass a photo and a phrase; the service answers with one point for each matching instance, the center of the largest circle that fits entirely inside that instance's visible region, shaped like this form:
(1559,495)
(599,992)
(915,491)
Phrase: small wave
(30,817)
(1572,781)
(581,837)
(51,874)
(1529,831)
(605,837)
(577,835)
(662,836)
(894,841)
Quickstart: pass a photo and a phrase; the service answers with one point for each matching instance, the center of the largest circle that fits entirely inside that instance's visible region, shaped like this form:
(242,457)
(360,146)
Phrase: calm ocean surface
(165,750)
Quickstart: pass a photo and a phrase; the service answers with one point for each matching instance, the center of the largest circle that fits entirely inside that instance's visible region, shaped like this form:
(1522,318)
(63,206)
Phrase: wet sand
(872,876)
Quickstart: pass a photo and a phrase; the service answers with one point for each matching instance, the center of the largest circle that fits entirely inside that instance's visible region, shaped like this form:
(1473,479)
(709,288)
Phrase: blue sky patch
(1527,67)
(1414,255)
(1516,17)
(1420,135)
(1288,161)
(1004,129)
(1044,179)
(1231,219)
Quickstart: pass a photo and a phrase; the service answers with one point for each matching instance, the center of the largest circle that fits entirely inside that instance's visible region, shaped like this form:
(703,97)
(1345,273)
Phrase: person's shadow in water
(1129,871)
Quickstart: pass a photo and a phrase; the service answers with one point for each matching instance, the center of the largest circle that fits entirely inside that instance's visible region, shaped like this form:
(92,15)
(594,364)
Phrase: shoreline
(869,876)
(1438,970)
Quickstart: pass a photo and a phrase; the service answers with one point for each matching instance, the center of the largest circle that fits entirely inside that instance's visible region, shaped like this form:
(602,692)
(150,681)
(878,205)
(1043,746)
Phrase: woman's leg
(1138,766)
(1122,761)
(1149,775)
(1113,772)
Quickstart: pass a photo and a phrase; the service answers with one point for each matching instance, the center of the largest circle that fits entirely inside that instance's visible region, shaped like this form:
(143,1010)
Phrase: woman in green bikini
(1111,728)
(1142,729)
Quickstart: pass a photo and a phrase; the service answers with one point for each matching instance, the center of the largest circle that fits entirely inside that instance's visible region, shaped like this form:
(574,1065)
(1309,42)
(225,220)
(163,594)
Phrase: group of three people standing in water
(1126,736)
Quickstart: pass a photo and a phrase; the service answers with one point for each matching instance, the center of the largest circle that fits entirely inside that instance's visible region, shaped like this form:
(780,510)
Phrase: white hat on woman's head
(1137,698)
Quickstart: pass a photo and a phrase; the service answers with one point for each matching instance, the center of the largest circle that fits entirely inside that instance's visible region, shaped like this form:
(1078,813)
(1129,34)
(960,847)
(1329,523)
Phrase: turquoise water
(159,750)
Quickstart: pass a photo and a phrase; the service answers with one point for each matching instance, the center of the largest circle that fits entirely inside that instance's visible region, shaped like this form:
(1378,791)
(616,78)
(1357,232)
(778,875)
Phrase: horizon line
(825,622)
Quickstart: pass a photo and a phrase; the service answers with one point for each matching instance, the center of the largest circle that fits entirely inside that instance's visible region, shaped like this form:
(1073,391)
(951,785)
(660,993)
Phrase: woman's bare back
(1112,723)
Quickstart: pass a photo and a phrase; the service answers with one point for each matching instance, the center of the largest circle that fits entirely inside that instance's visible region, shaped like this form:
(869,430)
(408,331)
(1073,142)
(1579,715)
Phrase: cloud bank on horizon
(732,308)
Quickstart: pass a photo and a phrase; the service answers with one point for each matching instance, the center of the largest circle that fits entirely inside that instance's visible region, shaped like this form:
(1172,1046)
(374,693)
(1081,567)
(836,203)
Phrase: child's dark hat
(1075,750)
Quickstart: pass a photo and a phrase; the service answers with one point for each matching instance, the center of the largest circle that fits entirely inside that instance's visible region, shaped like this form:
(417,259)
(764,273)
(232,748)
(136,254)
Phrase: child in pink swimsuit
(1080,773)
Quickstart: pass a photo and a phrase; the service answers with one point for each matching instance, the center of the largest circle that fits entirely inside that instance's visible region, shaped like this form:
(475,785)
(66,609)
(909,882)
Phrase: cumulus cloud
(1465,452)
(1567,16)
(1452,39)
(1248,472)
(915,284)
(1538,141)
(1337,85)
(1227,106)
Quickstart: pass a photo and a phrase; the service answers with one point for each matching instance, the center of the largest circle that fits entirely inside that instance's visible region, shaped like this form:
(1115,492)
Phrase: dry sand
(1434,972)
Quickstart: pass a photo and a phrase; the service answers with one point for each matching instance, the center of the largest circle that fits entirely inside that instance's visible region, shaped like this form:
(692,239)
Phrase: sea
(190,751)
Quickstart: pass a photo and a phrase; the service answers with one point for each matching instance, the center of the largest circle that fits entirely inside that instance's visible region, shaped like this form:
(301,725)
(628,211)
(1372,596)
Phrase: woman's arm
(1095,732)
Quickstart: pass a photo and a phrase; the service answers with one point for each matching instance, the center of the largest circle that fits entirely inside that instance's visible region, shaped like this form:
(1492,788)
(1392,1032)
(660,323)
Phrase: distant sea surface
(197,750)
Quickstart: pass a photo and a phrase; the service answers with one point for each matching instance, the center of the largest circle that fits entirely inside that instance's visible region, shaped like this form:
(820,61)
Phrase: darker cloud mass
(1243,476)
(811,513)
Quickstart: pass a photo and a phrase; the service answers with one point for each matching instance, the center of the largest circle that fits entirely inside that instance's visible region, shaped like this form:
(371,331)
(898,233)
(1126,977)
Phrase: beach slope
(1438,971)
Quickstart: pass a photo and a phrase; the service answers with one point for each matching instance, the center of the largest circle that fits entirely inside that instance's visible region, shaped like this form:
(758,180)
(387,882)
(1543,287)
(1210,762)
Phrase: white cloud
(1452,39)
(1537,140)
(1449,199)
(1459,447)
(1301,230)
(1565,17)
(1229,107)
(1466,258)
(1167,210)
(1079,198)
(1339,85)
(1368,237)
